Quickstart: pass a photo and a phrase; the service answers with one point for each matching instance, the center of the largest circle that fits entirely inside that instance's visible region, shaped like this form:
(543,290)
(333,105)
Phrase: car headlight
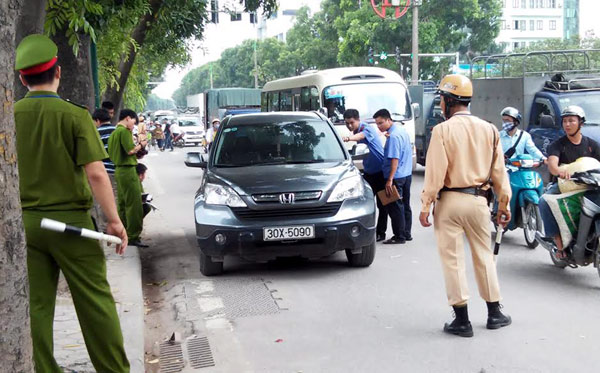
(351,187)
(215,194)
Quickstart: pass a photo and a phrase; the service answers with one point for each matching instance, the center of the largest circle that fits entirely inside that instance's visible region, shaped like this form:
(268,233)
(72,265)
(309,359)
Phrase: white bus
(366,89)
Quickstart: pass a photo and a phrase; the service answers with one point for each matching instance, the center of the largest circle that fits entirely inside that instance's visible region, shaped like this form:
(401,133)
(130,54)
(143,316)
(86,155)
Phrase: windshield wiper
(231,165)
(311,161)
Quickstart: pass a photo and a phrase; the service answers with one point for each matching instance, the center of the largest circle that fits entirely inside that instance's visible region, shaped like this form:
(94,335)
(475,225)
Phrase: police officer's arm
(501,183)
(128,145)
(102,190)
(435,170)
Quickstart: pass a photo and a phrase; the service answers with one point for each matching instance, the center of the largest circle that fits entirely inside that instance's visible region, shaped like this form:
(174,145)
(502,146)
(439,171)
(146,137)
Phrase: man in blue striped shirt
(102,119)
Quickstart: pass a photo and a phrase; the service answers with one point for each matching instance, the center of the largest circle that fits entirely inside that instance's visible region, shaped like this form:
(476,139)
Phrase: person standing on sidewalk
(464,158)
(56,172)
(397,173)
(102,118)
(122,152)
(364,133)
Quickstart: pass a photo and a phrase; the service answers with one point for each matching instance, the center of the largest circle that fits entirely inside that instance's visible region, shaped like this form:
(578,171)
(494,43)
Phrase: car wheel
(208,267)
(362,259)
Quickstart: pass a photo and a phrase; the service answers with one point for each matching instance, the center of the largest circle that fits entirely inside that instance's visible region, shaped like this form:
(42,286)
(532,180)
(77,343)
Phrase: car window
(188,122)
(280,142)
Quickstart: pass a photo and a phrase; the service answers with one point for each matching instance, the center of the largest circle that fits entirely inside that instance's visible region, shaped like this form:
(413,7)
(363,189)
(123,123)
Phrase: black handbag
(511,151)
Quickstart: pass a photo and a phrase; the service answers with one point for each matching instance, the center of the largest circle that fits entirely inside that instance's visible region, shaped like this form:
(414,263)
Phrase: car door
(543,125)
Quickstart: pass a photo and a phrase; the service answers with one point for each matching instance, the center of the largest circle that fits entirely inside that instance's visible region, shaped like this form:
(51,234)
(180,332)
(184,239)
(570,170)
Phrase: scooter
(179,139)
(583,249)
(527,188)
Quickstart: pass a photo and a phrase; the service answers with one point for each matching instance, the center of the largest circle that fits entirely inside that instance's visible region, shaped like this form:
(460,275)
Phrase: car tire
(208,267)
(362,259)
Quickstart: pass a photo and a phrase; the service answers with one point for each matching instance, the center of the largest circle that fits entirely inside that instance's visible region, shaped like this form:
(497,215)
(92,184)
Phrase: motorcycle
(179,139)
(527,188)
(147,205)
(584,247)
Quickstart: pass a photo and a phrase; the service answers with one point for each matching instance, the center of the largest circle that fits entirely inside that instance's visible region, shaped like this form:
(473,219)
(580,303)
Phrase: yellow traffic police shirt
(460,156)
(55,139)
(120,143)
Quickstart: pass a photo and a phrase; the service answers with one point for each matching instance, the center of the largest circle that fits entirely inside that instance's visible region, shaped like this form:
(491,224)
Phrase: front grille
(298,196)
(327,210)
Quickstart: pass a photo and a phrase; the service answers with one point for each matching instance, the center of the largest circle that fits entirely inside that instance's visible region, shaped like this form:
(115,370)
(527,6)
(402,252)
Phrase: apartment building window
(214,11)
(552,4)
(236,17)
(522,25)
(504,3)
(502,25)
(552,25)
(531,25)
(516,26)
(540,25)
(253,18)
(515,3)
(523,3)
(531,3)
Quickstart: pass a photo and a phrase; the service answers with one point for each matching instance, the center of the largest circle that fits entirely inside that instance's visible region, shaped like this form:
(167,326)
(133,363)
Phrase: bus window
(285,100)
(296,102)
(314,98)
(264,101)
(273,101)
(305,99)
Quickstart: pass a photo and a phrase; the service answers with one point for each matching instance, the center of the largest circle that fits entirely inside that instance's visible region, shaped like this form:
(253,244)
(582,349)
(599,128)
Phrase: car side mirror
(416,110)
(195,159)
(324,111)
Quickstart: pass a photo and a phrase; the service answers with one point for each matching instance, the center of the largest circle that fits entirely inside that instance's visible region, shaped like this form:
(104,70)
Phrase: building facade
(528,21)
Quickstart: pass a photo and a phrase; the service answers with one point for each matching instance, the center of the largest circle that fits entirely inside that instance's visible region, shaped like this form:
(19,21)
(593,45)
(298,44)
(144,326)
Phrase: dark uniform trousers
(400,211)
(83,264)
(377,183)
(129,200)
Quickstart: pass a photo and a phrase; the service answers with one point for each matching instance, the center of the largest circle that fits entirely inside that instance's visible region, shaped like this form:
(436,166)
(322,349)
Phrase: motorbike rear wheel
(532,223)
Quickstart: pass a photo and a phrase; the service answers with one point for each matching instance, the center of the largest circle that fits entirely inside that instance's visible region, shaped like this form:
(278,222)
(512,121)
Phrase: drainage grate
(199,353)
(171,357)
(241,298)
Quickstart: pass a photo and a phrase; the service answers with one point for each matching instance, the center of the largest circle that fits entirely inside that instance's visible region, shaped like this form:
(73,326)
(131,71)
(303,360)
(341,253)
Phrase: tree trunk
(76,82)
(31,21)
(115,94)
(15,339)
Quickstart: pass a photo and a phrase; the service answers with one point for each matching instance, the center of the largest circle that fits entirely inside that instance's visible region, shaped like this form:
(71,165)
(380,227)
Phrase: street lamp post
(415,42)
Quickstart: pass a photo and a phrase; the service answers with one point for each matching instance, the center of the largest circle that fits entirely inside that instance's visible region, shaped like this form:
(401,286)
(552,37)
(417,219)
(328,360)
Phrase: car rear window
(277,143)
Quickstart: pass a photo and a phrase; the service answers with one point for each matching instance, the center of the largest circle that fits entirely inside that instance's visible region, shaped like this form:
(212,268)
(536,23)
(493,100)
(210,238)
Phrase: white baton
(57,226)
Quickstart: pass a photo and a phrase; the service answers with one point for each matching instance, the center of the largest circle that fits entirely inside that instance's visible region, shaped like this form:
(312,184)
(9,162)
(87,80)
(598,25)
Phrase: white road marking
(208,304)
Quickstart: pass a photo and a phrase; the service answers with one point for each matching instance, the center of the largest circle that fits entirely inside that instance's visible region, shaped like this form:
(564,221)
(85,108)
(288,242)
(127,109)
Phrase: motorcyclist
(515,141)
(565,150)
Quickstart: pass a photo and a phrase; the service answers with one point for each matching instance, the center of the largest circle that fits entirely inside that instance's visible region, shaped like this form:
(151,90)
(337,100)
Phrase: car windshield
(589,104)
(188,122)
(277,143)
(367,98)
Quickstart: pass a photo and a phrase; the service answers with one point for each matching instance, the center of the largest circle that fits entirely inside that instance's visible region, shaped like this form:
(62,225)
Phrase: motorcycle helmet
(573,110)
(513,113)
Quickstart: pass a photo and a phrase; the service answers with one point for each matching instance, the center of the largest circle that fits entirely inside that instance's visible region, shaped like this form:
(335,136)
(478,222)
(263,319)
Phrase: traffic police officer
(464,154)
(122,153)
(59,153)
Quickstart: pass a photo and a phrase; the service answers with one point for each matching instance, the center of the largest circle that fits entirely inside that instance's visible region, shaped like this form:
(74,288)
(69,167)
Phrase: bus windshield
(367,98)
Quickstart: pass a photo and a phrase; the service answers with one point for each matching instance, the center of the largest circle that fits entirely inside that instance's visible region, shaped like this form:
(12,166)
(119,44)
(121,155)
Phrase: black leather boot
(496,319)
(461,325)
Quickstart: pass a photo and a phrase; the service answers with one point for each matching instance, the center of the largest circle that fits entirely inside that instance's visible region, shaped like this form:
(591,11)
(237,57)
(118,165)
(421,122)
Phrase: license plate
(296,232)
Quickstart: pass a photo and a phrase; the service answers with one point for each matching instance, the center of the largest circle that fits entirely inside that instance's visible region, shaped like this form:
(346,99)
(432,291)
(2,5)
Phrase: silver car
(281,184)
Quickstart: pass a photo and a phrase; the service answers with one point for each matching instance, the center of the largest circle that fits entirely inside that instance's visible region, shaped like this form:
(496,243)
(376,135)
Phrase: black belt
(474,191)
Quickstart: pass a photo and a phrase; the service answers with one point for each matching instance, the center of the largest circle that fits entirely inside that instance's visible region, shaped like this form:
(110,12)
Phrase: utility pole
(415,43)
(255,66)
(211,77)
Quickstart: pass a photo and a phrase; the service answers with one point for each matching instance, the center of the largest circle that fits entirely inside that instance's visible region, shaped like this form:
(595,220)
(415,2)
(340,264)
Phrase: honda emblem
(287,198)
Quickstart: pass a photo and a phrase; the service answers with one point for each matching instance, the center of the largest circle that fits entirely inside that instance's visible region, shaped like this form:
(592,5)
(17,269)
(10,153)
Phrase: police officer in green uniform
(122,152)
(60,158)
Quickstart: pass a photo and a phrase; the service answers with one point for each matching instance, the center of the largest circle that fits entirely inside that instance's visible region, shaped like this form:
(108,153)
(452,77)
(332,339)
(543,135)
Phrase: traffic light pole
(415,45)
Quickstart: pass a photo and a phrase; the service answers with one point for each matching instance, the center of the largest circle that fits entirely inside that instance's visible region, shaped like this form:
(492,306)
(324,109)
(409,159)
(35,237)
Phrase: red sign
(381,9)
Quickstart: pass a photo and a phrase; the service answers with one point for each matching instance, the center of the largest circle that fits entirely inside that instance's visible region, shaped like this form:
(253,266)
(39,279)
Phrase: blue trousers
(400,211)
(550,226)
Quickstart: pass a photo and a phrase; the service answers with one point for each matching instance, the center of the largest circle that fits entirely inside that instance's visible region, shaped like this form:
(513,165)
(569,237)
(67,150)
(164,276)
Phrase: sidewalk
(125,278)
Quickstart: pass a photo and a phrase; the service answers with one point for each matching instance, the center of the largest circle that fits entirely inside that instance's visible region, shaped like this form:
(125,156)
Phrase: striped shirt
(105,130)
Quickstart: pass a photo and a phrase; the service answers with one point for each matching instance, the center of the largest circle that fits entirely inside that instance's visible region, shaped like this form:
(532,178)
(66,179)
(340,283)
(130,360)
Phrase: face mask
(508,126)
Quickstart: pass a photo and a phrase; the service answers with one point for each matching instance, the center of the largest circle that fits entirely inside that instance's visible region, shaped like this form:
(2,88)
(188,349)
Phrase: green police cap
(35,54)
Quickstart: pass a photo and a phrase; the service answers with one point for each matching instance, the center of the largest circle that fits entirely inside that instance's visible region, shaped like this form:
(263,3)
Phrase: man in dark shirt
(566,150)
(102,119)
